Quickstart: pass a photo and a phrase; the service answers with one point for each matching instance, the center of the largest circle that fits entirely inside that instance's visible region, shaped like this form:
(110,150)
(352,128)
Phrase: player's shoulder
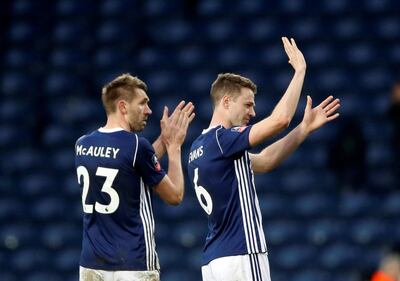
(143,143)
(233,131)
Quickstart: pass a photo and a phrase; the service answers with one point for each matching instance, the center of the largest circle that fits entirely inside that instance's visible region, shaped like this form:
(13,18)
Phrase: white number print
(202,191)
(110,175)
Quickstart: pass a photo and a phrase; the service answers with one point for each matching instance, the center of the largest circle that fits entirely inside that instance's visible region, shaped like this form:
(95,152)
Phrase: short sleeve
(233,140)
(147,163)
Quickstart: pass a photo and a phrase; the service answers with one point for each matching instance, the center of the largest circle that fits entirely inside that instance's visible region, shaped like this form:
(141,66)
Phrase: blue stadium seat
(14,83)
(38,184)
(151,57)
(357,204)
(339,257)
(274,205)
(8,134)
(21,32)
(319,54)
(313,274)
(305,29)
(16,235)
(24,159)
(200,83)
(391,204)
(71,7)
(368,231)
(283,232)
(263,30)
(208,8)
(110,8)
(23,59)
(25,7)
(58,136)
(49,208)
(379,154)
(7,276)
(315,205)
(58,84)
(166,259)
(388,28)
(295,257)
(334,7)
(72,32)
(300,180)
(394,53)
(348,28)
(44,275)
(155,8)
(360,54)
(170,32)
(230,56)
(67,260)
(29,260)
(111,32)
(60,235)
(111,57)
(381,179)
(11,108)
(220,30)
(324,231)
(69,59)
(189,233)
(11,209)
(379,6)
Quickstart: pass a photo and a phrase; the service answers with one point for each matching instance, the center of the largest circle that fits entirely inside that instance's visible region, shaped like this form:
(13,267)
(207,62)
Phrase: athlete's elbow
(175,199)
(283,122)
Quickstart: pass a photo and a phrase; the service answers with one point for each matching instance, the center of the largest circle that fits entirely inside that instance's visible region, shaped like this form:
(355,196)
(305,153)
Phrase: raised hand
(174,127)
(325,112)
(296,58)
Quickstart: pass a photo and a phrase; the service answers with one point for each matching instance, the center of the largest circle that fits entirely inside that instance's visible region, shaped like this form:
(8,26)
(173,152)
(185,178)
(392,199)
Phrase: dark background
(330,211)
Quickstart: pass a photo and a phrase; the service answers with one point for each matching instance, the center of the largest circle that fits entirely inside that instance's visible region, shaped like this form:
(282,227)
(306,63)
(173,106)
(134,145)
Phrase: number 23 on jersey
(110,175)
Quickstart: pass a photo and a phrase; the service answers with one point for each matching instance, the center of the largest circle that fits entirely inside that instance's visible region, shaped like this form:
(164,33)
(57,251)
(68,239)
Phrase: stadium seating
(58,54)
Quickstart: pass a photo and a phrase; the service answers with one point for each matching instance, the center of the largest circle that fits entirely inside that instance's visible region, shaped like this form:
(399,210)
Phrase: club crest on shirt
(238,129)
(156,164)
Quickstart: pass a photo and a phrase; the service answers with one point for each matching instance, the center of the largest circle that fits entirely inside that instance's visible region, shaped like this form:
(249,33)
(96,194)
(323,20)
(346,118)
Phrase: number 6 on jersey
(208,206)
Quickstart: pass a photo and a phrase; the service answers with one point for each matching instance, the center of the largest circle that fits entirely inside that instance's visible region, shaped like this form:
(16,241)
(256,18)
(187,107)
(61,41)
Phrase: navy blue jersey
(116,170)
(220,171)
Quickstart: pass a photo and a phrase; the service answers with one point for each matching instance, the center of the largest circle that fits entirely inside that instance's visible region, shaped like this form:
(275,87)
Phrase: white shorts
(87,274)
(253,267)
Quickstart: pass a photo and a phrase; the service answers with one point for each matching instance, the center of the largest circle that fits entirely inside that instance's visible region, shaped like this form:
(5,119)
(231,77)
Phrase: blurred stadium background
(320,225)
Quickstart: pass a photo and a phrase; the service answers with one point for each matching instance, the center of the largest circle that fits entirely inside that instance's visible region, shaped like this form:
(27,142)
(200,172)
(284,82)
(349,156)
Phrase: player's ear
(225,101)
(121,105)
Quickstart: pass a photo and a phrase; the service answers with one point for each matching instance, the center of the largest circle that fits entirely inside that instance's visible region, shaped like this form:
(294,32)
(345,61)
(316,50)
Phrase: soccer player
(118,170)
(221,169)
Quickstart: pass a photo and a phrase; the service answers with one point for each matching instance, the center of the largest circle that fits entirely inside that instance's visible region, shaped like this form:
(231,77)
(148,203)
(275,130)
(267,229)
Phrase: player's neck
(219,118)
(114,122)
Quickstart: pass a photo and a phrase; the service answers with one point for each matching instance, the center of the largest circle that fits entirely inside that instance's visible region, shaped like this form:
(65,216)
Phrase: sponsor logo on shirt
(238,129)
(156,164)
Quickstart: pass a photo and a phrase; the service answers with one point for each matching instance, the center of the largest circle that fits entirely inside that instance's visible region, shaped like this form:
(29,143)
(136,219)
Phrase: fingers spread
(309,102)
(165,113)
(191,117)
(331,105)
(333,117)
(325,102)
(293,43)
(287,46)
(178,108)
(333,110)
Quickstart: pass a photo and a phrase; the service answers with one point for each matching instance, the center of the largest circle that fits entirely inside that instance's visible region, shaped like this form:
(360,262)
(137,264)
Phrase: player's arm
(283,112)
(167,129)
(171,188)
(314,118)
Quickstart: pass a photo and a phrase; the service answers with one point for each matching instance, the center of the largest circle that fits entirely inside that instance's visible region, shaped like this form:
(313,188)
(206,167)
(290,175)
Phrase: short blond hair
(122,87)
(230,84)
